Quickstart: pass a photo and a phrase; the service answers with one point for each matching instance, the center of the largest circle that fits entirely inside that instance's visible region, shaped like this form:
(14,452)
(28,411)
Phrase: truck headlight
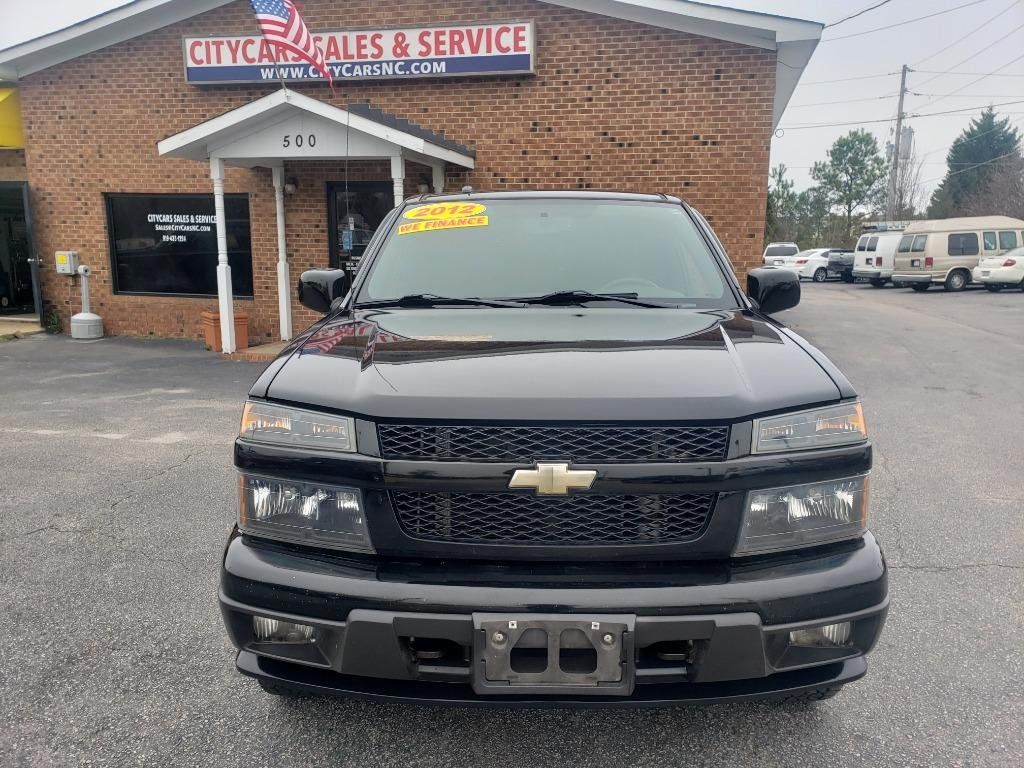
(803,515)
(305,513)
(296,428)
(816,428)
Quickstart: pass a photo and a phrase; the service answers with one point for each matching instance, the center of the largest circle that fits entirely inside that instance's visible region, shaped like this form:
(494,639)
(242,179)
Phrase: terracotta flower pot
(211,330)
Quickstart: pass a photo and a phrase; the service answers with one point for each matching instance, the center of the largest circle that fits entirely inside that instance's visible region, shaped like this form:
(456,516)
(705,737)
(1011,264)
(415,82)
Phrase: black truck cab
(543,448)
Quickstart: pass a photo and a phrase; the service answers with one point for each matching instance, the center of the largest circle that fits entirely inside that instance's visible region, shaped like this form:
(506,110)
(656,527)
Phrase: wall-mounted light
(291,186)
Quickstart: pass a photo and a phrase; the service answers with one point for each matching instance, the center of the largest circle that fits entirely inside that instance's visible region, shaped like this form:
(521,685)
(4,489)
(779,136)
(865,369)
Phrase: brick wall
(12,165)
(614,105)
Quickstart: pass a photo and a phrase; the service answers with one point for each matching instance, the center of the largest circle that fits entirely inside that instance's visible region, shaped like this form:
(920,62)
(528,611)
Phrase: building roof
(238,135)
(794,40)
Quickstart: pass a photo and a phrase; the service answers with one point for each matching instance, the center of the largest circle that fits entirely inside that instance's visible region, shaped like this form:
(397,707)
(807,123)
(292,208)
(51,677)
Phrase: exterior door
(355,211)
(19,266)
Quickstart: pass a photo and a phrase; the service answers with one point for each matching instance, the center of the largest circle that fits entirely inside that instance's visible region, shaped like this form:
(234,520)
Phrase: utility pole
(895,170)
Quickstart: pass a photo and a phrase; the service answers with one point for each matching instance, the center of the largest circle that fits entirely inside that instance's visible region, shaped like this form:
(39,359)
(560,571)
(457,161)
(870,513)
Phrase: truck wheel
(808,697)
(820,275)
(957,280)
(995,288)
(920,287)
(276,689)
(878,283)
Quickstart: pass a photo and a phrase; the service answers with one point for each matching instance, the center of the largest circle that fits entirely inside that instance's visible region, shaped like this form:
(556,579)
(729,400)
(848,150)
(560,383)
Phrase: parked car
(874,257)
(458,484)
(946,251)
(779,251)
(1005,271)
(812,264)
(840,264)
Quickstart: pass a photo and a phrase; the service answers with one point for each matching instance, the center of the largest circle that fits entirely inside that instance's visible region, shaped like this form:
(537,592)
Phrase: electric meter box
(67,262)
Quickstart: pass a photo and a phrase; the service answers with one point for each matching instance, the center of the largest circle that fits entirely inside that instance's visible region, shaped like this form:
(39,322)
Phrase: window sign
(167,244)
(502,48)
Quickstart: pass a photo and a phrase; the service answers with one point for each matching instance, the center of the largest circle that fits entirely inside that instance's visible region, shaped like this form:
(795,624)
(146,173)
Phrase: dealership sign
(368,54)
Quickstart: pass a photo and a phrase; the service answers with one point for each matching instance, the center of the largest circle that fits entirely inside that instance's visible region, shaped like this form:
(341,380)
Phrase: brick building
(129,119)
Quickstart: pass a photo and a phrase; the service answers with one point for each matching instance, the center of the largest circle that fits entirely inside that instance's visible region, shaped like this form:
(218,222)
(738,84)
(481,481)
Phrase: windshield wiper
(559,298)
(433,300)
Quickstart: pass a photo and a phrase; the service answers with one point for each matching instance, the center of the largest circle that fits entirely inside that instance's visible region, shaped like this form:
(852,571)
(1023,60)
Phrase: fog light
(828,636)
(277,631)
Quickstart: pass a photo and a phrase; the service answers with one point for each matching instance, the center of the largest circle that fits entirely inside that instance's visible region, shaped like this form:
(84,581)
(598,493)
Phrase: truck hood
(557,363)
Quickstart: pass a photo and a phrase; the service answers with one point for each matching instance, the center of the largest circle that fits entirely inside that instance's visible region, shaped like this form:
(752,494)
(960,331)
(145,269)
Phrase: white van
(946,251)
(875,256)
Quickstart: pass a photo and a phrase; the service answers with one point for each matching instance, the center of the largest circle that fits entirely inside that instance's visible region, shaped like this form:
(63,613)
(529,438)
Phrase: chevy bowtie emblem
(553,479)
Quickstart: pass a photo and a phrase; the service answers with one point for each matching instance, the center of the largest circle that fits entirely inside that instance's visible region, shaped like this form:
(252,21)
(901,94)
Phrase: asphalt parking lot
(116,493)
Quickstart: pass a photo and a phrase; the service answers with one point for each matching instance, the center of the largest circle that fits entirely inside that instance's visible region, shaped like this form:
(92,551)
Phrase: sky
(947,52)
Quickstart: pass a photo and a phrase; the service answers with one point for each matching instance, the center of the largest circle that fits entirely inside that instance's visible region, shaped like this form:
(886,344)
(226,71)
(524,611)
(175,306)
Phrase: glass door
(353,218)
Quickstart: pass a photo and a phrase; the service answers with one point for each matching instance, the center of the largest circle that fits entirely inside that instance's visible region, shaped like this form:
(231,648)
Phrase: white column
(224,291)
(398,177)
(284,296)
(438,177)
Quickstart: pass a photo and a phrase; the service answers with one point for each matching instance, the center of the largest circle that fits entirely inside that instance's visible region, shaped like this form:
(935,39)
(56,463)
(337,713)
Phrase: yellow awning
(11,134)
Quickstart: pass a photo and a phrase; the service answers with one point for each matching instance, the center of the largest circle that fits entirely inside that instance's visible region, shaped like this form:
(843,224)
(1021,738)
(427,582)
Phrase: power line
(966,139)
(973,82)
(842,101)
(848,79)
(799,126)
(971,167)
(963,74)
(961,38)
(858,13)
(973,55)
(902,23)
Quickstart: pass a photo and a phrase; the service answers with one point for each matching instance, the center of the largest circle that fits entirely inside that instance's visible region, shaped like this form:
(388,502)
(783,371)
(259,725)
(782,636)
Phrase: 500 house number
(298,140)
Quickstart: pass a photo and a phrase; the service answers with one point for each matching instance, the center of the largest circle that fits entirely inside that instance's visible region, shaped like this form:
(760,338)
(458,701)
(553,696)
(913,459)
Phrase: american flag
(282,26)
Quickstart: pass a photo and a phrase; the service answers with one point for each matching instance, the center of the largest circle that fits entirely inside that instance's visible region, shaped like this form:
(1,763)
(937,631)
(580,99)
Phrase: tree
(851,178)
(974,166)
(909,195)
(1003,193)
(781,215)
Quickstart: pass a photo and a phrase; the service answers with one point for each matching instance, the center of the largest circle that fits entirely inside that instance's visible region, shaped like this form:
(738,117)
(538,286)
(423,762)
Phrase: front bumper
(913,279)
(727,625)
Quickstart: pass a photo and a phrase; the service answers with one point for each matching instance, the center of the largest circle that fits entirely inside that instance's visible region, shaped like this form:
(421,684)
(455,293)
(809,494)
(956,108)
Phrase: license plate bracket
(571,654)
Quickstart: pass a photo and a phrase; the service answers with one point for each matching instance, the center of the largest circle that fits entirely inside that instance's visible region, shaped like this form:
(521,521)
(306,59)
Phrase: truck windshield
(530,248)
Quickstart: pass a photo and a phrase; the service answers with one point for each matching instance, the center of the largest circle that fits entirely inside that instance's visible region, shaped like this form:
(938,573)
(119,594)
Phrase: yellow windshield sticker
(445,211)
(434,225)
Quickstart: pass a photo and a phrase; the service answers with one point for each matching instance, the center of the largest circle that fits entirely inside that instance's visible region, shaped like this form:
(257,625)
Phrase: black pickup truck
(544,449)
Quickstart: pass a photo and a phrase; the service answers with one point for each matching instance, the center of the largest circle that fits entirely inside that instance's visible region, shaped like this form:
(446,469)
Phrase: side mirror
(318,288)
(773,289)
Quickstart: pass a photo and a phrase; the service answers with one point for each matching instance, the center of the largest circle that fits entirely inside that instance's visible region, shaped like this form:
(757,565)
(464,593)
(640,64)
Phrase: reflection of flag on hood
(282,26)
(328,338)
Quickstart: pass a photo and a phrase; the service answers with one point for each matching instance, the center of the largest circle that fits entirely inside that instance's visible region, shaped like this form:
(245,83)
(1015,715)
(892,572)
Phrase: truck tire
(812,696)
(820,275)
(920,287)
(878,282)
(957,280)
(847,278)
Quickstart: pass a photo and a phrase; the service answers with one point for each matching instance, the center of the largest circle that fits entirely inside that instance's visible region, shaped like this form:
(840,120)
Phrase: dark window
(862,244)
(167,244)
(990,240)
(919,243)
(1007,241)
(781,250)
(905,243)
(873,244)
(963,244)
(353,220)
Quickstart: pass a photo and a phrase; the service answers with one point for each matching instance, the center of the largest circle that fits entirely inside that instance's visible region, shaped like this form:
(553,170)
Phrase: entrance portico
(287,126)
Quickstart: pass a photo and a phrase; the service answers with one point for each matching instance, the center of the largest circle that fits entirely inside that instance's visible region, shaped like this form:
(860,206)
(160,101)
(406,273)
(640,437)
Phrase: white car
(998,272)
(811,264)
(774,253)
